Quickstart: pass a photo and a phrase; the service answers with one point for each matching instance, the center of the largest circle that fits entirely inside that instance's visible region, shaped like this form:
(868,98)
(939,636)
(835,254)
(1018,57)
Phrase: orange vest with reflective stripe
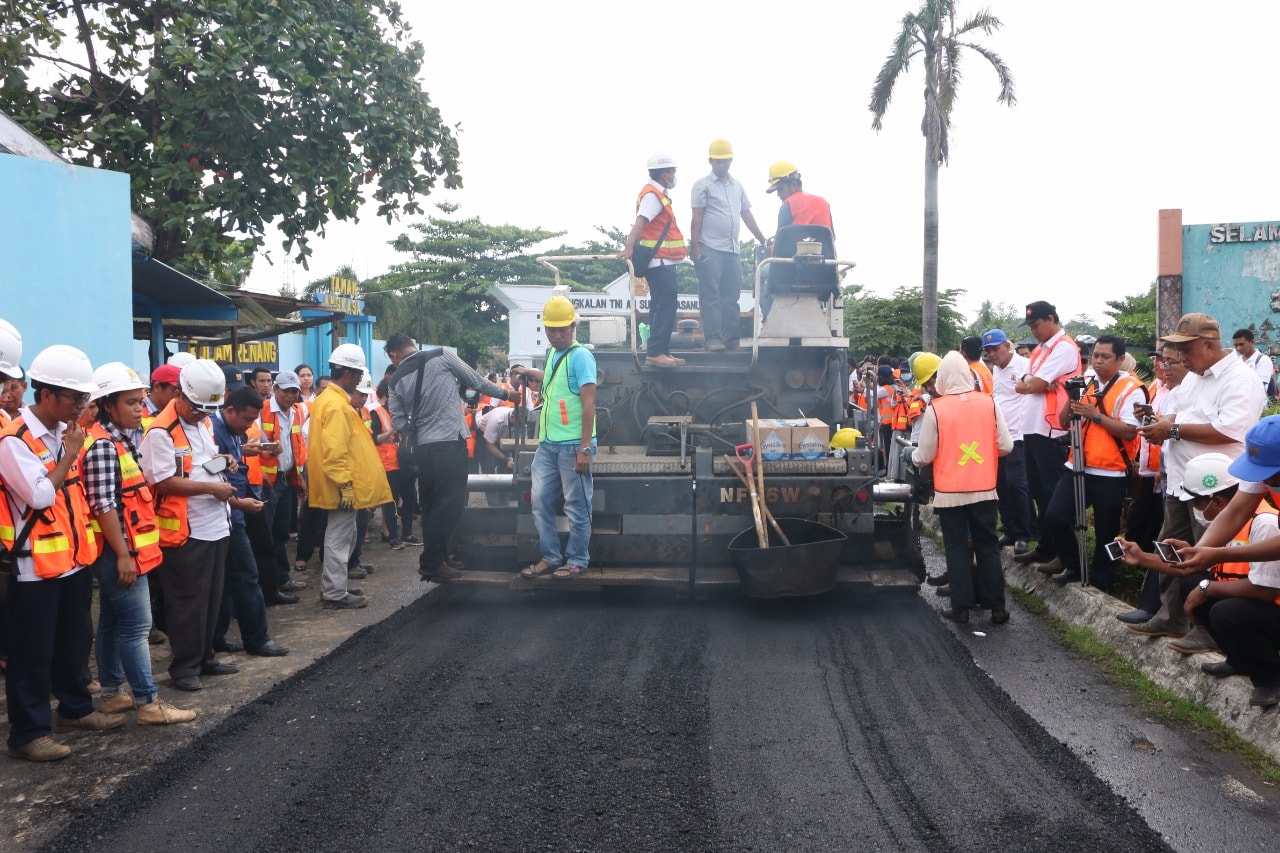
(62,538)
(469,417)
(888,404)
(253,464)
(1100,450)
(1239,571)
(271,432)
(910,408)
(967,443)
(672,248)
(388,450)
(171,510)
(137,510)
(1055,398)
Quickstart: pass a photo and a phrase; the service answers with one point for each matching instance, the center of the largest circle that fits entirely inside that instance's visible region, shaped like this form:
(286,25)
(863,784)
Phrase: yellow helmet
(721,149)
(924,367)
(558,313)
(778,171)
(847,437)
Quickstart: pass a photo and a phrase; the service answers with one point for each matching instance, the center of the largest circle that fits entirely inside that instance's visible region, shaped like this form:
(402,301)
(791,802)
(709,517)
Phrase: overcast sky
(1123,109)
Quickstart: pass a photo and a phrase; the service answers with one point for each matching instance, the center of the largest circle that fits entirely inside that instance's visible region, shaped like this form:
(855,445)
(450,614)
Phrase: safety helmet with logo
(181,359)
(203,384)
(115,377)
(720,149)
(846,438)
(558,313)
(662,160)
(1206,475)
(63,366)
(779,171)
(366,383)
(10,350)
(348,355)
(924,367)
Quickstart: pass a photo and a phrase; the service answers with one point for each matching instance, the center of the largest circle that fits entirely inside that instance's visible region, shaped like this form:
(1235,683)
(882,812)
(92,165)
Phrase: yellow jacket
(340,450)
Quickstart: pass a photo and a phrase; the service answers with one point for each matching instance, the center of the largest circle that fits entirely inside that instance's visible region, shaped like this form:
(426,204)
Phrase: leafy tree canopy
(1134,319)
(879,325)
(229,115)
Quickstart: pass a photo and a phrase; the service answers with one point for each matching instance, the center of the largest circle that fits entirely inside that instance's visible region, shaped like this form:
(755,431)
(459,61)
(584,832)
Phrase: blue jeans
(124,621)
(554,477)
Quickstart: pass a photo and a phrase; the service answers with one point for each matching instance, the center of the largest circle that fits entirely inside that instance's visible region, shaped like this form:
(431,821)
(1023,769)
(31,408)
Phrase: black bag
(404,451)
(9,557)
(642,256)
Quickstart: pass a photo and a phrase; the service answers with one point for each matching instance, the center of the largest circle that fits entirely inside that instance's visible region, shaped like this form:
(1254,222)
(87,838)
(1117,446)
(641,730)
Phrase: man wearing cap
(283,453)
(1217,403)
(1241,614)
(164,387)
(1055,359)
(1011,480)
(719,204)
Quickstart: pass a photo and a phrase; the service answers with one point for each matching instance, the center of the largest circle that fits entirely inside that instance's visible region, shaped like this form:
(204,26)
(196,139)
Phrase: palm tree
(933,32)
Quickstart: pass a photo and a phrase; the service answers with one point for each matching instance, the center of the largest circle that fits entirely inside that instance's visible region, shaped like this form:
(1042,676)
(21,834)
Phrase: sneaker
(41,749)
(1197,642)
(161,713)
(350,601)
(1157,628)
(411,540)
(396,545)
(117,704)
(357,574)
(93,721)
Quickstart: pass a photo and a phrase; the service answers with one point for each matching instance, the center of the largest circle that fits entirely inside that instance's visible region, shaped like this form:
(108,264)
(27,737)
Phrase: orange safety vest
(469,417)
(271,433)
(982,373)
(1100,448)
(968,447)
(62,537)
(388,450)
(1234,571)
(888,404)
(171,510)
(672,248)
(253,464)
(809,210)
(909,409)
(1055,398)
(137,511)
(1153,449)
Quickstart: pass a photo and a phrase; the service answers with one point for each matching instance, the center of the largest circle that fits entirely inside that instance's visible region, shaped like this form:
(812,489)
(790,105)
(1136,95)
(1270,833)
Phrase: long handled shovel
(762,532)
(765,511)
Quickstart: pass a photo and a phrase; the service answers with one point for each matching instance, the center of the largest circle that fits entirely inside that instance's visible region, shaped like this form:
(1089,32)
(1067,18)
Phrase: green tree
(441,295)
(933,33)
(229,115)
(1002,316)
(1133,318)
(877,325)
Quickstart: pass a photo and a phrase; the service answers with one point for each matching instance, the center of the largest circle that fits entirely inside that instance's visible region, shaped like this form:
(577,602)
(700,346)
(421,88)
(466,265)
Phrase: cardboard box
(791,438)
(775,438)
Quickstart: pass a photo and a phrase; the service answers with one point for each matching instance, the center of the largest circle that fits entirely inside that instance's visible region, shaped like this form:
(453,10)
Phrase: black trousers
(311,526)
(662,308)
(1249,634)
(257,526)
(48,644)
(961,524)
(1106,495)
(192,577)
(442,495)
(241,593)
(1011,487)
(398,515)
(1046,463)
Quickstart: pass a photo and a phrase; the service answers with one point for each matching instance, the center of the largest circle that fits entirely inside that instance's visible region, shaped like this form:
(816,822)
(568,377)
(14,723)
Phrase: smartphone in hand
(1115,550)
(1167,552)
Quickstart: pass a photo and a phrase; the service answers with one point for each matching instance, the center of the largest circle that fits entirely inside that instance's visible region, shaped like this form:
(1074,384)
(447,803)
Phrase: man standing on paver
(719,204)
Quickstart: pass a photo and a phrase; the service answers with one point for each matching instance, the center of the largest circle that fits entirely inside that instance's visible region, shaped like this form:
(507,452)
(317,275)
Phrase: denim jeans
(554,477)
(124,621)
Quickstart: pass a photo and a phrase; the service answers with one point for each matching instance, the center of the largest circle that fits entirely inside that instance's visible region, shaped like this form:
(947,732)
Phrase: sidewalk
(36,800)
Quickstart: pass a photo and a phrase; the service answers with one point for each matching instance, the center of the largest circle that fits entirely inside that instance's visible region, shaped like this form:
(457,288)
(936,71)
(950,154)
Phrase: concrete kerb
(1228,698)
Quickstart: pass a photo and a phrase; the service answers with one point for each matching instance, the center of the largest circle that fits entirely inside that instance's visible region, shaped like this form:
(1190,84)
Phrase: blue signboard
(1231,270)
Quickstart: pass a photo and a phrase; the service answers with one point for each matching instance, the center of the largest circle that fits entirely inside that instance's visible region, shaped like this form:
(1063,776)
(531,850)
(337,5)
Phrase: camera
(1075,387)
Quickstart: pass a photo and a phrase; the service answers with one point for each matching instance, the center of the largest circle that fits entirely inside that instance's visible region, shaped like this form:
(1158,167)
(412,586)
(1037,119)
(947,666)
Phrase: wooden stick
(736,468)
(755,449)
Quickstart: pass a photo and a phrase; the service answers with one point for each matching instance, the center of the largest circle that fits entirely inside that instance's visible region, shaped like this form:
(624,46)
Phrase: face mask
(672,185)
(1199,517)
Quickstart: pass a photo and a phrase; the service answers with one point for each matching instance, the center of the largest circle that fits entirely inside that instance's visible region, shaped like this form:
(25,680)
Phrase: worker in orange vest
(656,231)
(962,435)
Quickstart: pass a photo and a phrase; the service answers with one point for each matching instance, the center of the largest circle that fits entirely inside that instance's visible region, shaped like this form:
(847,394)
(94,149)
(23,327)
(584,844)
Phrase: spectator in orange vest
(962,435)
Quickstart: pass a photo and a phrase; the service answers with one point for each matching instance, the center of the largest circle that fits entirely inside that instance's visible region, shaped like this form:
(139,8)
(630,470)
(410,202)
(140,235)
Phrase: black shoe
(292,584)
(1064,578)
(190,683)
(156,637)
(956,614)
(411,540)
(1221,669)
(357,573)
(270,650)
(228,647)
(999,616)
(283,598)
(1265,697)
(219,669)
(1033,556)
(1006,540)
(944,590)
(938,580)
(1135,617)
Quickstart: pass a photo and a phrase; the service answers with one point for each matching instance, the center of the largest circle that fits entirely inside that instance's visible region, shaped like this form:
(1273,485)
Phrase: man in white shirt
(1258,361)
(1220,399)
(1011,483)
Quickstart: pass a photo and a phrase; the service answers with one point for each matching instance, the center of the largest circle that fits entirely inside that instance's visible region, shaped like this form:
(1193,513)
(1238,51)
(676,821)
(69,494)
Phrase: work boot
(41,749)
(1222,669)
(1135,617)
(93,721)
(1157,628)
(161,713)
(357,574)
(1265,697)
(444,571)
(1197,642)
(117,704)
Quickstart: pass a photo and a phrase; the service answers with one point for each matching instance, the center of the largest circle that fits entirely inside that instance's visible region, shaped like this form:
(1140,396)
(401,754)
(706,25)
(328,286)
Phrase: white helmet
(115,377)
(63,367)
(203,384)
(181,359)
(348,355)
(662,160)
(1206,475)
(366,383)
(10,350)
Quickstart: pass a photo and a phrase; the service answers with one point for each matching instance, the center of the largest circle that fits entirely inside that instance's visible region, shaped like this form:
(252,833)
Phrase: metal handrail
(545,260)
(758,319)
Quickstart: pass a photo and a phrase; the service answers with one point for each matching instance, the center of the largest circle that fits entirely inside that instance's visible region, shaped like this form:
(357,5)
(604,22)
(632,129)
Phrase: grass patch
(1158,701)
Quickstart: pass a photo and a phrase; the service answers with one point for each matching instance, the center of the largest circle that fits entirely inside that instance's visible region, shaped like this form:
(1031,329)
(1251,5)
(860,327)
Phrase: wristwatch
(1173,433)
(1204,587)
(586,449)
(1097,417)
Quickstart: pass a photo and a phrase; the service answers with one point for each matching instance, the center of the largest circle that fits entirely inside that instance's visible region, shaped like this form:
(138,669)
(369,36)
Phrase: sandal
(538,568)
(568,571)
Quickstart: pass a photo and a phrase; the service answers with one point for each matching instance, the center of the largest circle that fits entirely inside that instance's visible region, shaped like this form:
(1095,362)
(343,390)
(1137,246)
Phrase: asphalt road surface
(481,720)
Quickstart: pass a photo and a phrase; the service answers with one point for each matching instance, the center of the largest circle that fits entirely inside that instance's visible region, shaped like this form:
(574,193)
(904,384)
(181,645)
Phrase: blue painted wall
(65,264)
(1232,271)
